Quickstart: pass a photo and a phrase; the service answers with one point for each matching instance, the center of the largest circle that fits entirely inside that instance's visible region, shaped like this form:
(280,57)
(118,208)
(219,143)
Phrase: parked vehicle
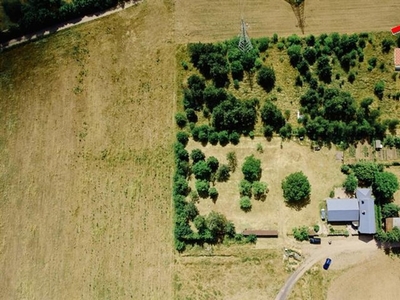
(323,214)
(315,240)
(327,264)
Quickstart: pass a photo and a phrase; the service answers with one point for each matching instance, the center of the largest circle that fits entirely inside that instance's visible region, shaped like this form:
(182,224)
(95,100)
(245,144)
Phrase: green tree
(223,137)
(390,210)
(245,188)
(201,170)
(200,224)
(296,187)
(386,45)
(350,184)
(245,203)
(232,160)
(295,55)
(181,119)
(324,69)
(379,89)
(191,210)
(182,137)
(272,116)
(213,193)
(300,233)
(266,78)
(259,189)
(197,155)
(365,172)
(216,223)
(212,163)
(234,138)
(385,185)
(222,173)
(251,168)
(202,187)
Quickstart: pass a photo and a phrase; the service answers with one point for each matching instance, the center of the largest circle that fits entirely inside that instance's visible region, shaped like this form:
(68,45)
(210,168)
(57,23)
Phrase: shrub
(191,115)
(345,169)
(251,238)
(245,203)
(351,77)
(266,78)
(300,233)
(390,210)
(386,45)
(245,188)
(182,137)
(213,193)
(350,184)
(372,62)
(263,44)
(316,228)
(379,89)
(259,189)
(232,160)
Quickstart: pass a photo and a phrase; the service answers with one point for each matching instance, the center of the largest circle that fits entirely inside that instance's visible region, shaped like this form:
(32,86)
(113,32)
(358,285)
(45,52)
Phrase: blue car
(327,263)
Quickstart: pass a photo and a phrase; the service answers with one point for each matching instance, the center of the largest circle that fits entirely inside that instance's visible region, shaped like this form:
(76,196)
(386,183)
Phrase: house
(261,233)
(342,210)
(367,223)
(359,210)
(397,59)
(392,222)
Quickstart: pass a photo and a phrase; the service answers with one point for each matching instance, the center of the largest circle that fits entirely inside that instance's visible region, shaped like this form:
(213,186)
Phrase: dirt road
(351,245)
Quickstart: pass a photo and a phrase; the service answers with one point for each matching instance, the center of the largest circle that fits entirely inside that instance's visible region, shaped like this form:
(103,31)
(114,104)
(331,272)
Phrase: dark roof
(261,233)
(342,210)
(367,211)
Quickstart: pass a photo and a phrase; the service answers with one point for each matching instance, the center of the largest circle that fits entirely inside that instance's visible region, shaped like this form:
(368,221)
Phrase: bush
(259,189)
(180,119)
(266,78)
(345,169)
(213,193)
(245,188)
(191,115)
(316,228)
(352,77)
(372,62)
(386,45)
(245,203)
(379,89)
(300,233)
(350,184)
(251,168)
(182,137)
(232,160)
(390,210)
(251,238)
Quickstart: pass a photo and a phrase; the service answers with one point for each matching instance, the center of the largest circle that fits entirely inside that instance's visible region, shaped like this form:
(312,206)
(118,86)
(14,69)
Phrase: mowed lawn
(86,161)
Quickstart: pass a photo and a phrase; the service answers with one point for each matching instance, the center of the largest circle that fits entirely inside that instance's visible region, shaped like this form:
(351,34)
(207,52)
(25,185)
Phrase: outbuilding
(342,210)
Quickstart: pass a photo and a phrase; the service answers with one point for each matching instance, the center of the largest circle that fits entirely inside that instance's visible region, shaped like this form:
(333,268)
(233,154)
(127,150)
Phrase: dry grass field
(86,161)
(210,20)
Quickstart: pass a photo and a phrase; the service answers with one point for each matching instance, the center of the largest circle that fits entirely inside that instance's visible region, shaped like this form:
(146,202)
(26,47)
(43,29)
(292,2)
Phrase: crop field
(85,160)
(210,20)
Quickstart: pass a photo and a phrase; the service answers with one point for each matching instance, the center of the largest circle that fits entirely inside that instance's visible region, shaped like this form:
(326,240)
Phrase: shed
(397,59)
(392,222)
(342,210)
(378,145)
(261,233)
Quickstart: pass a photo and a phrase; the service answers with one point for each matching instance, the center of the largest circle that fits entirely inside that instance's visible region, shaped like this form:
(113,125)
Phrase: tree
(182,137)
(181,119)
(213,193)
(251,168)
(390,210)
(245,188)
(266,78)
(324,69)
(212,163)
(365,172)
(300,233)
(181,153)
(216,223)
(272,116)
(181,186)
(191,210)
(223,137)
(259,189)
(201,170)
(294,53)
(296,187)
(245,203)
(310,55)
(197,155)
(386,45)
(385,185)
(379,89)
(237,70)
(202,187)
(234,138)
(232,161)
(350,184)
(222,173)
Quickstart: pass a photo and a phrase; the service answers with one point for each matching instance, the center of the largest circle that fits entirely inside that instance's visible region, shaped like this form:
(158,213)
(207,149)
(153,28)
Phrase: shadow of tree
(299,204)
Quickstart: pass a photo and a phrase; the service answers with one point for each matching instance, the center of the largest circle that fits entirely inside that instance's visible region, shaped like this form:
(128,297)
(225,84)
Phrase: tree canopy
(296,187)
(251,168)
(385,185)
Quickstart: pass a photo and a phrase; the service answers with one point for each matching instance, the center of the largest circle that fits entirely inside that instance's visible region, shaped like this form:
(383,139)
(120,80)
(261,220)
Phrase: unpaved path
(68,24)
(317,253)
